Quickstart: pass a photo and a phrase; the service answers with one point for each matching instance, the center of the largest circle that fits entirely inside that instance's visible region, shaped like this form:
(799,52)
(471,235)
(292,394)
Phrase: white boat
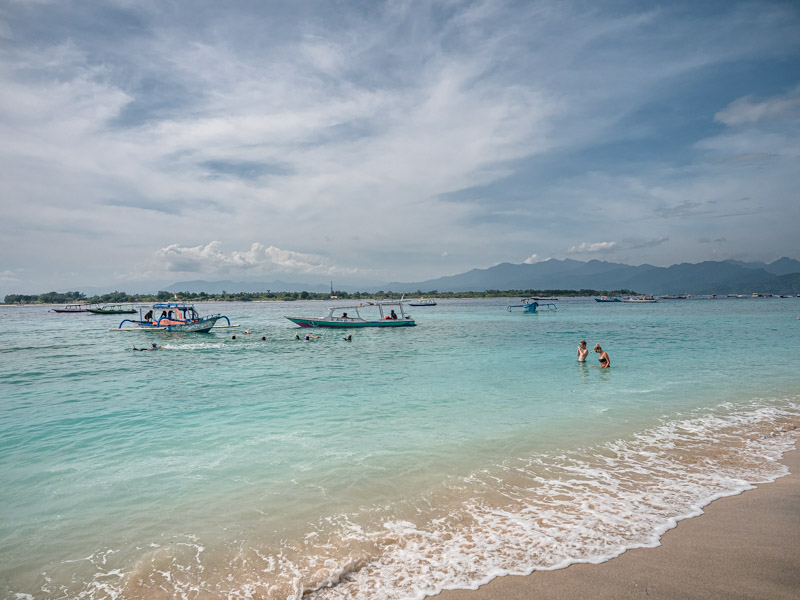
(351,316)
(639,299)
(422,302)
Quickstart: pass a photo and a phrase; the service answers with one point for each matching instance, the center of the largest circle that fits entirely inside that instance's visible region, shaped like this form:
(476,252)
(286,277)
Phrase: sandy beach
(745,546)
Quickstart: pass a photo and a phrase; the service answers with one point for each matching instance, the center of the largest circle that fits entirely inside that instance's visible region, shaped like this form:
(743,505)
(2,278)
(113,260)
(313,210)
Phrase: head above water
(597,348)
(583,343)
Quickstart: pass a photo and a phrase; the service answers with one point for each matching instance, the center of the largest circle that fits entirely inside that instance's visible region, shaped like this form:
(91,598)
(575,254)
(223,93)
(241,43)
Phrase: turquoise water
(402,463)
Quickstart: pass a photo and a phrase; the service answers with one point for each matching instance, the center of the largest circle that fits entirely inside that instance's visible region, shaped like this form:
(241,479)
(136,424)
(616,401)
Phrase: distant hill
(710,277)
(782,266)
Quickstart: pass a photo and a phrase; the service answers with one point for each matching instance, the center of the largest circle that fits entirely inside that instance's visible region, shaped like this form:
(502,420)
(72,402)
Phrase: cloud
(377,137)
(259,259)
(8,276)
(592,247)
(745,111)
(535,258)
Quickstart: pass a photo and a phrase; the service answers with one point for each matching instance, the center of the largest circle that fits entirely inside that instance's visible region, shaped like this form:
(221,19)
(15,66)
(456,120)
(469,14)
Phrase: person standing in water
(605,362)
(583,351)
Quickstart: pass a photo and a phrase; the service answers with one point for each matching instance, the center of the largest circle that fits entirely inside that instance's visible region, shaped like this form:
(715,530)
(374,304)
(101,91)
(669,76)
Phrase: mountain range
(711,277)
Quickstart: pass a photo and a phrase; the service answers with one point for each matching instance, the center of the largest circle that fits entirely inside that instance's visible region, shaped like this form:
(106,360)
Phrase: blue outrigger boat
(531,305)
(174,316)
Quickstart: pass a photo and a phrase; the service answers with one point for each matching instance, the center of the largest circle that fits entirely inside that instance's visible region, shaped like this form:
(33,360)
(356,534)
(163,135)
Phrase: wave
(539,512)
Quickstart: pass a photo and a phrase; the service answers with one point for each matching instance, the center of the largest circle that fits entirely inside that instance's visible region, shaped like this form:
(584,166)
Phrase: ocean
(405,462)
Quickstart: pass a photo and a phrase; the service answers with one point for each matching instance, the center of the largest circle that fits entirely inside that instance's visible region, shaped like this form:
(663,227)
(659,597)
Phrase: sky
(148,142)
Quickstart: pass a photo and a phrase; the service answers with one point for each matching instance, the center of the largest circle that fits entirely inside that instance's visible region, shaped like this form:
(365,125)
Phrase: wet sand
(745,546)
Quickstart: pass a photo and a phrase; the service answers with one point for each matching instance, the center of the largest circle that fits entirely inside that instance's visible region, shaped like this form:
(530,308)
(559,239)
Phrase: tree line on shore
(117,297)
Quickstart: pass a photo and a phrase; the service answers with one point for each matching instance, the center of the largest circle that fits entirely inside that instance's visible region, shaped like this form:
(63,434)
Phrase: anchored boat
(173,316)
(608,299)
(375,315)
(531,305)
(73,308)
(113,309)
(422,302)
(639,299)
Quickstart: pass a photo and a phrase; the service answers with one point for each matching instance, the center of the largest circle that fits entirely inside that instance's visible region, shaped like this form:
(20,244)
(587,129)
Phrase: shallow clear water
(404,462)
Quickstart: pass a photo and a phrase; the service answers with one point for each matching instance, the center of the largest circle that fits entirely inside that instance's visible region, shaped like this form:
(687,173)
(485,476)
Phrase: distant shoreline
(56,298)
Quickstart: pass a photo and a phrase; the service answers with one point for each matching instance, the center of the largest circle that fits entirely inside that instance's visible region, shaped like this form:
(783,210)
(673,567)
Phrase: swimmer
(348,337)
(233,337)
(152,347)
(263,338)
(309,337)
(583,352)
(247,331)
(297,336)
(605,362)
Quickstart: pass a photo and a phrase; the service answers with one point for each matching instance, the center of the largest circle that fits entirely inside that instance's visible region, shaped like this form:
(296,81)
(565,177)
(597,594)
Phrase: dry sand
(745,546)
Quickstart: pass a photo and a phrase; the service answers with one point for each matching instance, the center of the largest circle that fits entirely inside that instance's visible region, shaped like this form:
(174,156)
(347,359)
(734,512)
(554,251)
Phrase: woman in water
(605,362)
(583,351)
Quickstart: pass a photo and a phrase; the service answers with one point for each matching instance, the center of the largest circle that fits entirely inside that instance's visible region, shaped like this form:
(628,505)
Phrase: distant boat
(608,299)
(676,296)
(639,299)
(422,302)
(73,308)
(175,316)
(113,309)
(350,316)
(531,305)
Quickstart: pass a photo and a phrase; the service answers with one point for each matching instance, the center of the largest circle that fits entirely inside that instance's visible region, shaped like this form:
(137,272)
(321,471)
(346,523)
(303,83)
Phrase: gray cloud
(380,136)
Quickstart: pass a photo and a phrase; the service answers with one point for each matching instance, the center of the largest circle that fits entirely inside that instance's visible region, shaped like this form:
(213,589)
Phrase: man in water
(583,351)
(152,347)
(348,337)
(605,362)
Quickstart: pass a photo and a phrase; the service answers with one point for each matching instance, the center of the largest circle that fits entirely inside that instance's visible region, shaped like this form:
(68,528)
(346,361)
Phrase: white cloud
(591,247)
(745,111)
(8,276)
(259,259)
(535,258)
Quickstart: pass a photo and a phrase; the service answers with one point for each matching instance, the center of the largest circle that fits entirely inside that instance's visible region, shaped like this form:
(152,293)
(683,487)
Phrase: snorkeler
(152,347)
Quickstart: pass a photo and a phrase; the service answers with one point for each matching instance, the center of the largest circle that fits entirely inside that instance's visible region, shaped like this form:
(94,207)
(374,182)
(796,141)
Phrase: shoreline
(745,546)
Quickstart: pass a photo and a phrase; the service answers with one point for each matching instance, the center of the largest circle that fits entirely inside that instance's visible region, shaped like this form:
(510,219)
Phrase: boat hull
(100,311)
(305,322)
(201,326)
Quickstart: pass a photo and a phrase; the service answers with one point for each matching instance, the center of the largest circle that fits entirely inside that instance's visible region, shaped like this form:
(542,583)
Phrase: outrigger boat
(175,316)
(113,309)
(422,302)
(350,316)
(73,308)
(531,305)
(639,299)
(608,299)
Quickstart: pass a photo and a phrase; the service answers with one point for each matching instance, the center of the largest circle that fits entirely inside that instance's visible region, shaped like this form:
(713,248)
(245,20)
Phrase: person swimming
(154,346)
(348,337)
(605,362)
